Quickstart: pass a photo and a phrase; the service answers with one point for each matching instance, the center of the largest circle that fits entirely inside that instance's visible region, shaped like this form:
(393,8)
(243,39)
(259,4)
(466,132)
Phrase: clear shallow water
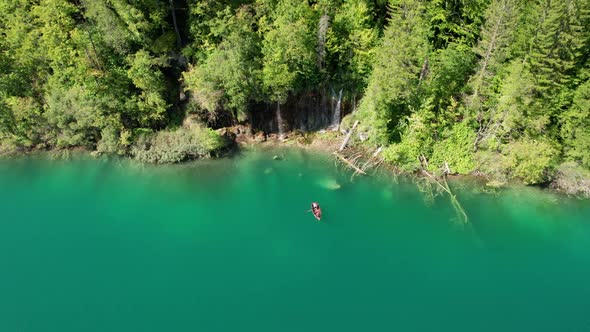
(227,245)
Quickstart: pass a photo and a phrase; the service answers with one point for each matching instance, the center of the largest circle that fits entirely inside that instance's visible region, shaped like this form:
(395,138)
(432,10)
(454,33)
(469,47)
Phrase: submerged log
(368,163)
(456,204)
(349,163)
(377,152)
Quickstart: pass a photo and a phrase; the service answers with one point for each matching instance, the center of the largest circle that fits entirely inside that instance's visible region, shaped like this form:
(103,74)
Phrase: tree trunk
(348,136)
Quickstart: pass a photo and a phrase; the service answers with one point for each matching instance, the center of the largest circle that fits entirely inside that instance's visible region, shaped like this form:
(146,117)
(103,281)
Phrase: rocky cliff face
(310,111)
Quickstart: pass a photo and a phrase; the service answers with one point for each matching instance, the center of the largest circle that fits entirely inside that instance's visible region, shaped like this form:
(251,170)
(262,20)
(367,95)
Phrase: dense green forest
(499,87)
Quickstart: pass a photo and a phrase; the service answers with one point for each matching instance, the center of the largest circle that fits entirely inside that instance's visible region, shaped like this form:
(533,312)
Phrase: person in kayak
(316,210)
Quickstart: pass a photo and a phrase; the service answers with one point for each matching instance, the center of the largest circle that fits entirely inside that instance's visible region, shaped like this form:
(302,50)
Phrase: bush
(416,141)
(533,161)
(178,145)
(109,141)
(489,163)
(572,179)
(456,150)
(403,155)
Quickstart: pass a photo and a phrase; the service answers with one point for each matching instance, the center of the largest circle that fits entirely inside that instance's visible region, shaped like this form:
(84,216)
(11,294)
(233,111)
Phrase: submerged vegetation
(497,87)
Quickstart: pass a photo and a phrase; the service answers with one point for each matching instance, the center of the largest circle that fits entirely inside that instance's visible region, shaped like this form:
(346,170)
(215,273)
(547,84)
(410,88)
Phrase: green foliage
(176,146)
(558,44)
(572,179)
(449,71)
(575,129)
(416,142)
(495,86)
(454,21)
(351,43)
(507,117)
(122,25)
(288,50)
(201,81)
(73,116)
(227,78)
(495,38)
(20,121)
(392,87)
(455,149)
(108,24)
(206,25)
(145,74)
(532,161)
(114,139)
(70,70)
(529,160)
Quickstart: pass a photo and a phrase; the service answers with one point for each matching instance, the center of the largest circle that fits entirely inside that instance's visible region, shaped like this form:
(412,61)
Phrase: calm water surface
(227,245)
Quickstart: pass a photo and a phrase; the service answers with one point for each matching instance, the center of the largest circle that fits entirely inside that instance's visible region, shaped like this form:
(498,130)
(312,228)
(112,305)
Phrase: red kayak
(316,210)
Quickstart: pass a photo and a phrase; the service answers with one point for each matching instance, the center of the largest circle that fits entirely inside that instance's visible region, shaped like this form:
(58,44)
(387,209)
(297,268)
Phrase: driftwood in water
(348,136)
(354,161)
(376,153)
(371,162)
(445,186)
(350,163)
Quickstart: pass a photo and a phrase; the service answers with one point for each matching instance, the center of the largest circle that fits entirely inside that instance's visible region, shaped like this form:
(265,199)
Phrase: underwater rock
(330,184)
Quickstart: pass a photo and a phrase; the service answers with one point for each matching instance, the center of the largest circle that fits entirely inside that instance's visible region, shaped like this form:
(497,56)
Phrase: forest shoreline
(327,142)
(496,86)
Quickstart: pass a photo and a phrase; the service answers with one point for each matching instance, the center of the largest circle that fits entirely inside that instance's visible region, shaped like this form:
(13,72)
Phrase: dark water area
(228,245)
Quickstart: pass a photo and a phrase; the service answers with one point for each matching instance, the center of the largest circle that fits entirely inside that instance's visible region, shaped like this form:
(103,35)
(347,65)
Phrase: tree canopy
(496,86)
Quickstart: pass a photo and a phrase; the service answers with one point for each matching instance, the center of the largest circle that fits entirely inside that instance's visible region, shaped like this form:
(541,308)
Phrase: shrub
(416,141)
(109,141)
(178,145)
(489,163)
(456,150)
(572,179)
(531,160)
(403,155)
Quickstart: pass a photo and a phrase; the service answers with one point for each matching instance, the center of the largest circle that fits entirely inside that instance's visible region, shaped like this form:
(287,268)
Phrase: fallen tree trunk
(350,164)
(373,156)
(348,136)
(454,199)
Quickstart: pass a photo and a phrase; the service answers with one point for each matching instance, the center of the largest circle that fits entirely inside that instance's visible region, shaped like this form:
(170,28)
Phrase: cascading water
(336,111)
(323,26)
(280,121)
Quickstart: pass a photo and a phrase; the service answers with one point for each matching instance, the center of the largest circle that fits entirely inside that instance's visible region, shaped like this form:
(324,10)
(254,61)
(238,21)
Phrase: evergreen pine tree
(395,78)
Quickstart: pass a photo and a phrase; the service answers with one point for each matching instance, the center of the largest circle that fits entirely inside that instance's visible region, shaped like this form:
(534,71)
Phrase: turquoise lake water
(227,245)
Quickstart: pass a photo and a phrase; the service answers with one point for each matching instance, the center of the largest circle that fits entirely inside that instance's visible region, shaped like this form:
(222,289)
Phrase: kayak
(316,210)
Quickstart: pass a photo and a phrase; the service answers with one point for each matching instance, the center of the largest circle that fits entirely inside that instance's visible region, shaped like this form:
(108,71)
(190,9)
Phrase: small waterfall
(336,111)
(323,26)
(279,121)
